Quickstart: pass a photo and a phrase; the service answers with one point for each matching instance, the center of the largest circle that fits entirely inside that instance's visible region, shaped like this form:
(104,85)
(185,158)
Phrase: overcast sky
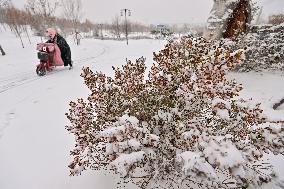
(159,11)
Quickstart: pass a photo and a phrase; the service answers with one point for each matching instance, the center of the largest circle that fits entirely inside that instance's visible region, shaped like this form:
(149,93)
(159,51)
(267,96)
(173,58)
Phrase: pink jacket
(57,60)
(51,47)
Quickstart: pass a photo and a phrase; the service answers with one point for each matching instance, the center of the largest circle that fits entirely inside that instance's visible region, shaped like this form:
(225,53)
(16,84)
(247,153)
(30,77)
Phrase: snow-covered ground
(34,146)
(267,89)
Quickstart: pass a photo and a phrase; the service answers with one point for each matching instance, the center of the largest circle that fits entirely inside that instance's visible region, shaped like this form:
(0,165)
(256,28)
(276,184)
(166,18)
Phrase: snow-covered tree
(182,126)
(230,18)
(263,47)
(263,44)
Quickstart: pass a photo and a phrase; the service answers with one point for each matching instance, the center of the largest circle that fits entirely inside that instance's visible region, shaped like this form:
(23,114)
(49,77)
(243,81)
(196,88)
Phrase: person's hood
(51,32)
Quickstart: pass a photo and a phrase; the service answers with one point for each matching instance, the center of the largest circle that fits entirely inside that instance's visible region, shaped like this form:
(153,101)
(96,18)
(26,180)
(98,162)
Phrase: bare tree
(26,18)
(116,26)
(42,7)
(185,28)
(96,30)
(43,12)
(101,27)
(173,27)
(2,51)
(278,104)
(139,28)
(72,10)
(17,20)
(65,25)
(13,19)
(4,3)
(88,27)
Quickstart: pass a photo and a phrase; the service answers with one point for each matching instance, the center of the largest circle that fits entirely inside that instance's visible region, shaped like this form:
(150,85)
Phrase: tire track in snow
(12,77)
(23,78)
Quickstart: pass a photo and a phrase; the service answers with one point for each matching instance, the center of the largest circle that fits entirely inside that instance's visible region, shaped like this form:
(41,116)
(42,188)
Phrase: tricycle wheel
(40,70)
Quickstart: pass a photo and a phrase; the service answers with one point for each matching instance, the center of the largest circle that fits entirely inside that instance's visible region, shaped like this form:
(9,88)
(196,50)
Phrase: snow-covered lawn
(267,89)
(34,146)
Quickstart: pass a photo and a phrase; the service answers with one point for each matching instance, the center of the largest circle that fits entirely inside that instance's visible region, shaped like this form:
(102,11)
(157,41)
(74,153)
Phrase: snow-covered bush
(264,48)
(180,127)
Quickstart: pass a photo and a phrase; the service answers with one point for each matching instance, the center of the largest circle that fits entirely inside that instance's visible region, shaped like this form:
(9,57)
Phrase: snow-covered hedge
(264,49)
(180,127)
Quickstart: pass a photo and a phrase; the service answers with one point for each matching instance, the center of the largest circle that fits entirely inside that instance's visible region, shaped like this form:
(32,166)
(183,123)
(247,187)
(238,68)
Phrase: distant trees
(16,21)
(87,26)
(139,27)
(276,19)
(64,25)
(163,30)
(3,4)
(38,15)
(116,27)
(72,10)
(41,14)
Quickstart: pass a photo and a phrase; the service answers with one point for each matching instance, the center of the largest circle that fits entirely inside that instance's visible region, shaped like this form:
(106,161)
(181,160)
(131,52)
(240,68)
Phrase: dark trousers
(67,58)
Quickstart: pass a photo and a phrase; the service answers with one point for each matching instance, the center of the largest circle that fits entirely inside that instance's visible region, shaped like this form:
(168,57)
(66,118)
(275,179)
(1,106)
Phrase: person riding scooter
(54,37)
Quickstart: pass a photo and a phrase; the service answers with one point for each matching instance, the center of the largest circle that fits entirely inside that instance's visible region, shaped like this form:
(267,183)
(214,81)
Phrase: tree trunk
(27,33)
(19,35)
(2,51)
(239,20)
(21,40)
(275,106)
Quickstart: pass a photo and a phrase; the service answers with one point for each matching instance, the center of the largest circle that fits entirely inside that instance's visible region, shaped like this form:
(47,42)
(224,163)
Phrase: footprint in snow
(9,117)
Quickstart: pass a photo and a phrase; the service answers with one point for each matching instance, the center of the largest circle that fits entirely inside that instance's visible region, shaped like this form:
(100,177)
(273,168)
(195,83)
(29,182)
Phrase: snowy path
(34,146)
(18,79)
